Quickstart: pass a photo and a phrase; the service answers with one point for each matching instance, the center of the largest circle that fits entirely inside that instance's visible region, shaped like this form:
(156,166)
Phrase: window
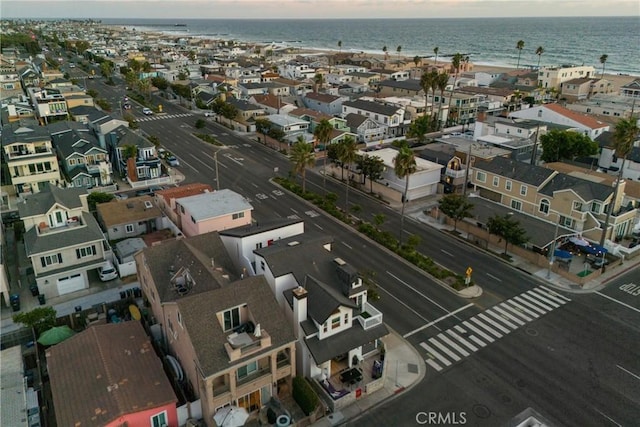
(577,206)
(262,265)
(507,185)
(346,318)
(237,215)
(496,181)
(160,419)
(516,204)
(86,252)
(325,327)
(51,260)
(481,176)
(566,222)
(247,370)
(193,220)
(523,190)
(129,228)
(596,207)
(231,319)
(544,206)
(335,322)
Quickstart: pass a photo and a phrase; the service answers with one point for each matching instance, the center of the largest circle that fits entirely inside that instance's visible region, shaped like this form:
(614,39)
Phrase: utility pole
(553,249)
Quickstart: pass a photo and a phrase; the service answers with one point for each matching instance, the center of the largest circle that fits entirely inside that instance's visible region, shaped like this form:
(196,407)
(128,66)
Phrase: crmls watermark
(441,418)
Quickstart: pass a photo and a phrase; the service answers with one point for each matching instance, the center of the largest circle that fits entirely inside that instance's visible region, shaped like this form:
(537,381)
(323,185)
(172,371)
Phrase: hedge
(304,395)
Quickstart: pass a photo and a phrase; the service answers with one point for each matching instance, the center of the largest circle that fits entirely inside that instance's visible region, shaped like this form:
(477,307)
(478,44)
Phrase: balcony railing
(369,317)
(241,345)
(44,228)
(26,153)
(254,376)
(455,173)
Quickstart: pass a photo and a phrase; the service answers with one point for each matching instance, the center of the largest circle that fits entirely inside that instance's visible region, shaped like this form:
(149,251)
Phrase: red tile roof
(184,191)
(106,372)
(583,119)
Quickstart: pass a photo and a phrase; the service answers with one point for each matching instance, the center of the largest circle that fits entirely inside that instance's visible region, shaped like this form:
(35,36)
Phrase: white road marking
(453,345)
(629,372)
(554,293)
(607,417)
(445,350)
(485,327)
(462,340)
(543,298)
(347,245)
(477,331)
(619,302)
(477,341)
(494,277)
(406,306)
(205,165)
(418,292)
(523,308)
(536,302)
(433,364)
(504,313)
(531,307)
(448,253)
(435,354)
(499,318)
(515,311)
(408,334)
(493,323)
(214,160)
(318,226)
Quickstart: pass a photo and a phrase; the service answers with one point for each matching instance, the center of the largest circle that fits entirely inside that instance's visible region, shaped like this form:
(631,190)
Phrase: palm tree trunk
(346,204)
(404,203)
(304,182)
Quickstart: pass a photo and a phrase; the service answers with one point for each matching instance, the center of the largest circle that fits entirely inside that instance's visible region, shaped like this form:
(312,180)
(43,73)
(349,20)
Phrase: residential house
(367,130)
(557,114)
(365,78)
(10,81)
(166,199)
(271,104)
(29,76)
(29,156)
(631,89)
(49,105)
(109,375)
(607,108)
(62,239)
(84,162)
(326,300)
(583,88)
(330,105)
(392,117)
(407,88)
(483,78)
(291,126)
(233,347)
(573,203)
(424,182)
(133,156)
(610,163)
(245,109)
(206,212)
(247,90)
(297,88)
(385,74)
(554,77)
(296,70)
(453,170)
(16,111)
(19,400)
(129,218)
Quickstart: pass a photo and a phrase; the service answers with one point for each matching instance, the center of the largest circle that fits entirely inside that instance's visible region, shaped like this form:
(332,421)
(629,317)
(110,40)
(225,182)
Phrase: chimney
(299,308)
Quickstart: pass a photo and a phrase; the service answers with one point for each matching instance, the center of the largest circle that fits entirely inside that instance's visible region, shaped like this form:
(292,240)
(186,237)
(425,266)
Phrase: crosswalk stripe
(493,323)
(459,329)
(515,311)
(536,302)
(553,297)
(462,340)
(554,293)
(445,350)
(508,315)
(435,354)
(485,327)
(433,364)
(523,308)
(453,345)
(477,341)
(477,331)
(500,318)
(543,297)
(531,306)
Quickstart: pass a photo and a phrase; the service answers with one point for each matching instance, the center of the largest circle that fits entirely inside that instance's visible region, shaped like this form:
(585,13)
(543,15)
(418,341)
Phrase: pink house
(166,199)
(109,375)
(216,211)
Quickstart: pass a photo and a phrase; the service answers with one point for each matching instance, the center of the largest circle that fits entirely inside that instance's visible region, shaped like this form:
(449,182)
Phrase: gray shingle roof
(74,142)
(259,227)
(517,171)
(375,107)
(587,190)
(73,236)
(24,130)
(40,203)
(324,299)
(335,345)
(207,335)
(409,84)
(204,255)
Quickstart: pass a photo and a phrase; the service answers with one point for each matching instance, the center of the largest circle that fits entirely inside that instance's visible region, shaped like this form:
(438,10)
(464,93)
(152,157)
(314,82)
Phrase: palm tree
(318,80)
(404,165)
(398,50)
(426,83)
(455,62)
(322,132)
(603,60)
(436,50)
(624,135)
(417,60)
(340,46)
(519,46)
(347,154)
(539,52)
(441,81)
(384,50)
(302,156)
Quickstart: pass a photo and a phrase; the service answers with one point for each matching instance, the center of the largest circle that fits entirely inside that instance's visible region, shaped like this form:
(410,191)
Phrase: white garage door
(73,283)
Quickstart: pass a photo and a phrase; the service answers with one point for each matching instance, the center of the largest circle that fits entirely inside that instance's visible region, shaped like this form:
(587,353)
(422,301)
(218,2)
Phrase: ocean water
(487,41)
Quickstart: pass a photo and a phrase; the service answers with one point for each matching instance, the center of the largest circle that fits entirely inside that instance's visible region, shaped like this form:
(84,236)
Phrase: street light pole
(466,172)
(553,249)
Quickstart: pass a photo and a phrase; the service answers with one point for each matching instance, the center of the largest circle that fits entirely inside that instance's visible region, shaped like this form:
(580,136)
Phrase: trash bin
(15,302)
(41,299)
(34,290)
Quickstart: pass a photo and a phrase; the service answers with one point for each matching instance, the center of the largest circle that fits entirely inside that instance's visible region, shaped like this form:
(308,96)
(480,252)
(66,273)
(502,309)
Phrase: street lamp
(553,248)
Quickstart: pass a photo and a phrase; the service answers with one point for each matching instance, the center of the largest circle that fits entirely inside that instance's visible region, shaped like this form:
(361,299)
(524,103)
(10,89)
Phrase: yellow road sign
(469,271)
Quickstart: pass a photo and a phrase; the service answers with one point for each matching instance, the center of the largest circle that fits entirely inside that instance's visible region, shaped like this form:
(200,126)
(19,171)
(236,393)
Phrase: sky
(310,9)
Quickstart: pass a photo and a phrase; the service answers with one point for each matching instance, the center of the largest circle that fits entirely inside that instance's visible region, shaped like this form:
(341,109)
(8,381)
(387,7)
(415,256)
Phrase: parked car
(597,261)
(209,114)
(173,161)
(107,272)
(149,191)
(10,217)
(147,111)
(121,196)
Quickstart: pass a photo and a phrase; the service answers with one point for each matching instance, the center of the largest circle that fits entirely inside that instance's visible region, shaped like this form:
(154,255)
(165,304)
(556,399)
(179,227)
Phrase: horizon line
(314,19)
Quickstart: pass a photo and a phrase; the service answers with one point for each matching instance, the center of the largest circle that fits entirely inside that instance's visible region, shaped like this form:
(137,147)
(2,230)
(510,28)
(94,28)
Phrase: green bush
(304,395)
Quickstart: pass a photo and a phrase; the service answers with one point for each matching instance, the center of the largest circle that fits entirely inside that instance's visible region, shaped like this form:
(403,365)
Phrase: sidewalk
(404,368)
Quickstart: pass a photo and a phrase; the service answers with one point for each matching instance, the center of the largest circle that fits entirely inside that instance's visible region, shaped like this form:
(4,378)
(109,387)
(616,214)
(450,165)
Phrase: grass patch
(207,138)
(584,273)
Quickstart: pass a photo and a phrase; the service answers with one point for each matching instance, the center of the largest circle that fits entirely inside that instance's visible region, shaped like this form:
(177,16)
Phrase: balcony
(455,173)
(239,345)
(73,222)
(20,154)
(95,168)
(261,372)
(369,317)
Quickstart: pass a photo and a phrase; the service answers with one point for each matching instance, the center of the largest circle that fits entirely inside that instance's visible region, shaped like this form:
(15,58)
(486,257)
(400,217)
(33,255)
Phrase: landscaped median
(384,238)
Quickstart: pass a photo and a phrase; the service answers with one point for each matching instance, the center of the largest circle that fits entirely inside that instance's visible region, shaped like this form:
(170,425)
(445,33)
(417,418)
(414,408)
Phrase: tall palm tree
(624,136)
(426,83)
(404,165)
(539,52)
(441,81)
(322,132)
(384,50)
(417,60)
(455,63)
(318,80)
(302,157)
(340,46)
(603,61)
(398,50)
(347,154)
(519,46)
(436,50)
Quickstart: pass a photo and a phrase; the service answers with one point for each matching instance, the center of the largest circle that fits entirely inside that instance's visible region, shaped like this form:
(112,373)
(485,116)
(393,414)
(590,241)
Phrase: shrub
(200,124)
(304,395)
